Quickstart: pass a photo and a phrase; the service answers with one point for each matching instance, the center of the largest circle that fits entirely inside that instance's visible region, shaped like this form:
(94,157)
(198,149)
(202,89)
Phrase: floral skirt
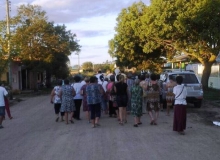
(153,106)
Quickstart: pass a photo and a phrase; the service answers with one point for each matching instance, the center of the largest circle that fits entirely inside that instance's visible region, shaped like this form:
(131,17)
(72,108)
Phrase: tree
(39,44)
(168,28)
(87,66)
(35,38)
(128,43)
(3,48)
(59,64)
(189,27)
(5,56)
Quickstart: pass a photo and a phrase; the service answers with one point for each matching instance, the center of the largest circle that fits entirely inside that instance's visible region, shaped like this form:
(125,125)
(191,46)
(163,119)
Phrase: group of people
(118,95)
(4,104)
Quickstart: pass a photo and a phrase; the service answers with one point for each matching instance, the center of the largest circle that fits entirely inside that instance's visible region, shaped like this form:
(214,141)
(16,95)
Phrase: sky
(93,21)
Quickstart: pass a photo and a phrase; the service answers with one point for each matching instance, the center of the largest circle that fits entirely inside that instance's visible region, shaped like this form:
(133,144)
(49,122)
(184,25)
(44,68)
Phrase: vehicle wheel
(198,104)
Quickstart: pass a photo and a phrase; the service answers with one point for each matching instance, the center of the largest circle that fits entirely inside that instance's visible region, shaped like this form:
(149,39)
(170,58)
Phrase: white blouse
(77,87)
(181,99)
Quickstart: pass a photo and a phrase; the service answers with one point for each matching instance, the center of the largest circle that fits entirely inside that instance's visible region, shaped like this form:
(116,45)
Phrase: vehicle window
(187,78)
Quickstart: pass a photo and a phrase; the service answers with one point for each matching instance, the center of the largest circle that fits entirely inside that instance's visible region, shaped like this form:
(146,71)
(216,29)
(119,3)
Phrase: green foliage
(37,43)
(105,67)
(87,66)
(3,48)
(168,28)
(189,27)
(129,41)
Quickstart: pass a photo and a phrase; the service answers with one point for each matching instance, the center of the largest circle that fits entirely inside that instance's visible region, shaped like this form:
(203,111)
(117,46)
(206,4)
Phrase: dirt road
(33,134)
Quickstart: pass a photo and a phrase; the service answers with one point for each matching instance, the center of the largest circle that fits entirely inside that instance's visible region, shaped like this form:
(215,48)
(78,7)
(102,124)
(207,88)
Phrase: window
(187,78)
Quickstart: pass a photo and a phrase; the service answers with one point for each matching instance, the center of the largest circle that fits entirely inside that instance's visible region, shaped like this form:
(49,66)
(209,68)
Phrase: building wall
(22,78)
(15,68)
(214,79)
(4,77)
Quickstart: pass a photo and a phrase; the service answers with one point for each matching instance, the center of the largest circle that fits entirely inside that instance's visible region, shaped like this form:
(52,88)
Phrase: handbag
(113,96)
(112,91)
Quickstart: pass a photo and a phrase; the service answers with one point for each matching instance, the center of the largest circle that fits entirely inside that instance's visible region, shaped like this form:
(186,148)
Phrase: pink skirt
(179,121)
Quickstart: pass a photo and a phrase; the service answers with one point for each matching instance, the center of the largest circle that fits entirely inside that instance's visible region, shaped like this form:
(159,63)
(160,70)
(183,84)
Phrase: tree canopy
(39,44)
(129,40)
(168,28)
(87,66)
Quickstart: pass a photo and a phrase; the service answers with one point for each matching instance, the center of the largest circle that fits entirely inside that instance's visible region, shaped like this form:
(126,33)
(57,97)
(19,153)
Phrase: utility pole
(8,38)
(9,47)
(77,53)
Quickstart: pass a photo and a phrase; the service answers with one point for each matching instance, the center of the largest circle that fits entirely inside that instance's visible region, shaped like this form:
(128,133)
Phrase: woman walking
(7,107)
(130,83)
(3,93)
(136,102)
(153,99)
(112,104)
(77,85)
(94,92)
(121,98)
(67,105)
(179,122)
(169,94)
(104,105)
(143,84)
(56,100)
(84,100)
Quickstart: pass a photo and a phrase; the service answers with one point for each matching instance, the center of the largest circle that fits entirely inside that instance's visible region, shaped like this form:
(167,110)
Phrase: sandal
(152,122)
(139,123)
(121,123)
(182,133)
(135,125)
(57,119)
(71,121)
(97,124)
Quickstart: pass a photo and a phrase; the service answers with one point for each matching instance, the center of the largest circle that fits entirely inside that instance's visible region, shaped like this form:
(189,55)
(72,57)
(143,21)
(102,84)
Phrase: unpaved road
(33,134)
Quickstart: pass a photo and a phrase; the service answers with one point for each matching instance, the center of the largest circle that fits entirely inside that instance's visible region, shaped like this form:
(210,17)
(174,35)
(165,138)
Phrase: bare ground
(33,134)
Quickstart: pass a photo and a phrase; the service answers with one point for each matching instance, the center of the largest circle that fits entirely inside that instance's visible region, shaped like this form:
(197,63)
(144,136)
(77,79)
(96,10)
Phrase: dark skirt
(179,121)
(122,100)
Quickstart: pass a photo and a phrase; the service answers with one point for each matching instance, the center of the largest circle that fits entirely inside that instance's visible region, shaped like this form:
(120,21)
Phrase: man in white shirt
(3,93)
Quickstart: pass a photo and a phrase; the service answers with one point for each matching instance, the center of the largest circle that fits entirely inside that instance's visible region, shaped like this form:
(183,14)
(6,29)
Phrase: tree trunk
(205,75)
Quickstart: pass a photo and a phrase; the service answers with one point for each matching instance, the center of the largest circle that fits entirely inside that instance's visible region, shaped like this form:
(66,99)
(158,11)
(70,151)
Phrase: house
(182,63)
(23,78)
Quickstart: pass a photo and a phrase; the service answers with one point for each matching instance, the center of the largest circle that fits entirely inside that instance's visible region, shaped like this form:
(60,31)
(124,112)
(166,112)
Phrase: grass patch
(212,94)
